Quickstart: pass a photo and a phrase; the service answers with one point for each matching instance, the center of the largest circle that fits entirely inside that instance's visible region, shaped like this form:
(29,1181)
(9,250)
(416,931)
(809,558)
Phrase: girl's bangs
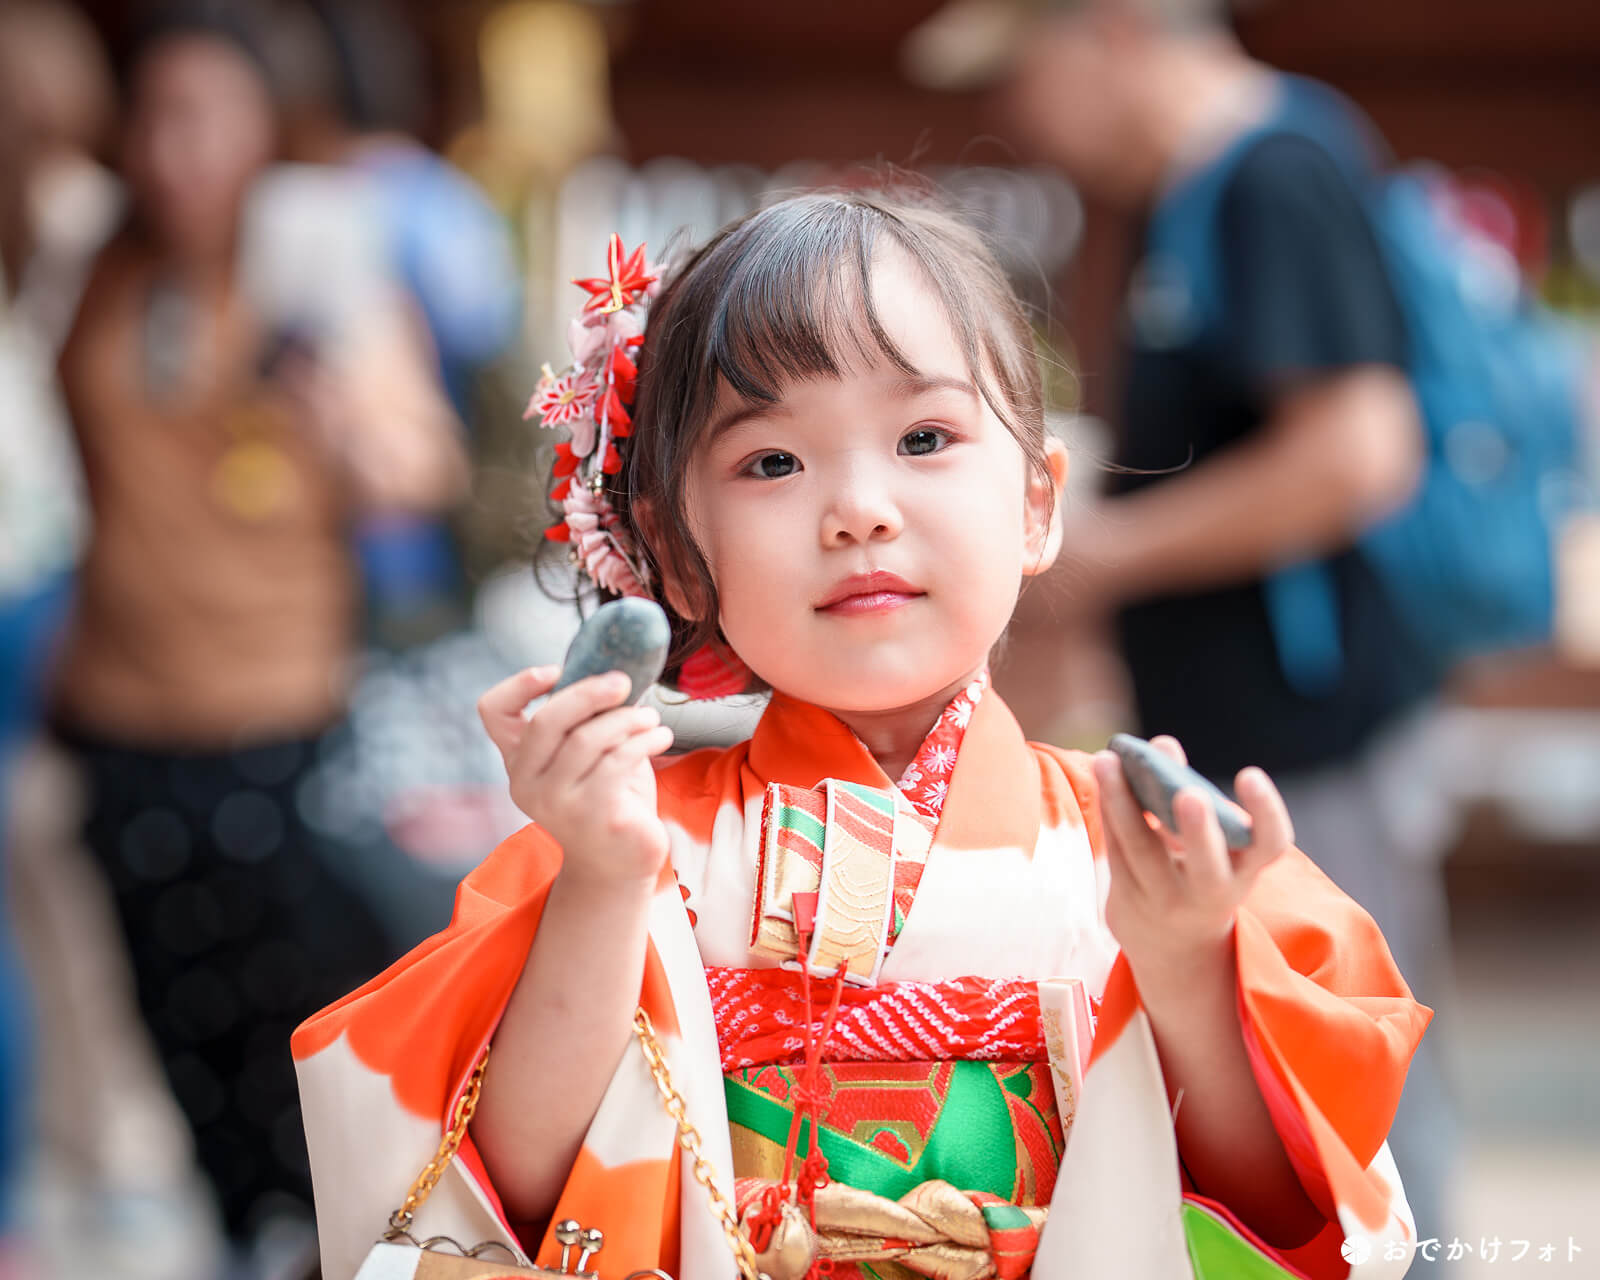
(796,301)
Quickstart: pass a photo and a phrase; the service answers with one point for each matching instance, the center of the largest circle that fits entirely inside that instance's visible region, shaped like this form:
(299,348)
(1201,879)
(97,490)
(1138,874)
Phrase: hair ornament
(593,399)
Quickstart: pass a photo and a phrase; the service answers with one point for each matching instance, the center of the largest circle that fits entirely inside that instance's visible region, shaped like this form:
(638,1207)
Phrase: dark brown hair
(783,295)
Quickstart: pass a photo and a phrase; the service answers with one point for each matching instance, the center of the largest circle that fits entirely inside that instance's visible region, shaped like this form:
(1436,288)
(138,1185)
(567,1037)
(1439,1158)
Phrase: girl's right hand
(580,767)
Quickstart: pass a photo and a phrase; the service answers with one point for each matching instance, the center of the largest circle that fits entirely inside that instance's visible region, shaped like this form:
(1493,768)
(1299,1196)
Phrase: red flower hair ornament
(593,399)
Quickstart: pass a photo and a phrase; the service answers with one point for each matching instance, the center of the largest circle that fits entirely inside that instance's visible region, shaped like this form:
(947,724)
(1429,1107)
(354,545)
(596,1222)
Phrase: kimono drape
(1013,886)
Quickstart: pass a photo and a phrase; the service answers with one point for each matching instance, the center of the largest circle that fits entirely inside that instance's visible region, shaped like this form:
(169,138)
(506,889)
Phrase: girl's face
(796,506)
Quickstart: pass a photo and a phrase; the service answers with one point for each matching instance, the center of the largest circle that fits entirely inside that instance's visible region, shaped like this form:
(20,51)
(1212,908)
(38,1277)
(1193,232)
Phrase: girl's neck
(893,736)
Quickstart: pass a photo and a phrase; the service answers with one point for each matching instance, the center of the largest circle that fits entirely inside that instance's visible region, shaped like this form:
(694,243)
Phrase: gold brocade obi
(936,1168)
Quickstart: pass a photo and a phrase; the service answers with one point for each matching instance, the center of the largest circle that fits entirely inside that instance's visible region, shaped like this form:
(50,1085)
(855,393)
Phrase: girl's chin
(862,694)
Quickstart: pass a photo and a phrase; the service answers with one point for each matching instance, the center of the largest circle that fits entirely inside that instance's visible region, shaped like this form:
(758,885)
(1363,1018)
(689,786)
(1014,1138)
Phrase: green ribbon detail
(971,1145)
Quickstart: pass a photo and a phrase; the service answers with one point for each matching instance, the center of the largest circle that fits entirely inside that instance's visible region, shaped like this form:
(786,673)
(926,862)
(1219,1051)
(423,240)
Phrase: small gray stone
(630,635)
(1155,778)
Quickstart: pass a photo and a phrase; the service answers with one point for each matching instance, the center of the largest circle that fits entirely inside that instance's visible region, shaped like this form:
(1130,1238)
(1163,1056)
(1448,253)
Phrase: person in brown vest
(227,456)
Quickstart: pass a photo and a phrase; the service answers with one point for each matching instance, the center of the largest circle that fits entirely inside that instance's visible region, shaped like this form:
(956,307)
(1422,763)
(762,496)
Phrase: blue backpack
(1468,564)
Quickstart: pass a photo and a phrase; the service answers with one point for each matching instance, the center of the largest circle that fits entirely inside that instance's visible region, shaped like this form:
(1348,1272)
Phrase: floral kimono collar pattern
(926,780)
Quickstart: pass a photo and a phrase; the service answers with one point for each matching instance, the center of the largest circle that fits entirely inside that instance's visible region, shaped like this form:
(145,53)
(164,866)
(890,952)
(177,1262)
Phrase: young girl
(874,942)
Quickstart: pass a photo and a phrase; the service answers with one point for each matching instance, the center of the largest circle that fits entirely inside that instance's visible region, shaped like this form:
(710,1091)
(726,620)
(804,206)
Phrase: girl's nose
(860,511)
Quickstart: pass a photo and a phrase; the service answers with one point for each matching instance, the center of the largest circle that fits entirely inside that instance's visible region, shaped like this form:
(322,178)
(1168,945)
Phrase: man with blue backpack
(1344,440)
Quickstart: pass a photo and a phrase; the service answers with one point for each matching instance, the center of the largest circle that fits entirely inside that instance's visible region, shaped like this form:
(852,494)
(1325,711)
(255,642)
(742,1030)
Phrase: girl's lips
(870,602)
(874,582)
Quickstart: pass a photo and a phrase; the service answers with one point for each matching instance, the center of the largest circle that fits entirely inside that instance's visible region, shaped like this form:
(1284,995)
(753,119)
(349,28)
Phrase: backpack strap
(1301,600)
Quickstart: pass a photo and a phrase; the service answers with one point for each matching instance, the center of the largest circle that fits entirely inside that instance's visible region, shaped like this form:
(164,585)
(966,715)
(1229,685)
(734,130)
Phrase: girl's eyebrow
(741,414)
(922,383)
(905,388)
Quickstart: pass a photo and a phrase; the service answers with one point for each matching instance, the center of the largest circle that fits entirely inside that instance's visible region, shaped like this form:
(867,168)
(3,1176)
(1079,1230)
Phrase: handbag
(399,1255)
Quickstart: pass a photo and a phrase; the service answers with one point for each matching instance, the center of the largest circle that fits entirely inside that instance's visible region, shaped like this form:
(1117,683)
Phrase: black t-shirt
(1303,294)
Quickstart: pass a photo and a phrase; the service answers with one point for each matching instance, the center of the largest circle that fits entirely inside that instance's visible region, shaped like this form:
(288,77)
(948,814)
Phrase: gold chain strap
(428,1179)
(688,1139)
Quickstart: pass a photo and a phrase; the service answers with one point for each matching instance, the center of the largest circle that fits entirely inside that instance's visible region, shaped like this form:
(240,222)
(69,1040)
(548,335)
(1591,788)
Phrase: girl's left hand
(1173,896)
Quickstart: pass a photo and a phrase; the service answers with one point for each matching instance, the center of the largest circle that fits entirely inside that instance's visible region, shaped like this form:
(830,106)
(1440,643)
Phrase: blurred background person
(1280,428)
(360,102)
(42,527)
(65,202)
(105,1153)
(242,390)
(357,100)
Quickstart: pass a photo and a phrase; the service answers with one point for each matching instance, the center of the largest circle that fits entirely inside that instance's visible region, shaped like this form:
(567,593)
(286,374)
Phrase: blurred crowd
(267,505)
(238,368)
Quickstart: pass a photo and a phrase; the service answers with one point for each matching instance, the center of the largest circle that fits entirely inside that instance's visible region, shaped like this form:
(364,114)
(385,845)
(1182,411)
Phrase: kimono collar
(993,799)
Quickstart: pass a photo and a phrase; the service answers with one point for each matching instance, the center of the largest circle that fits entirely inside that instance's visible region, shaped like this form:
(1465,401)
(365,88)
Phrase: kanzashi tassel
(617,418)
(624,373)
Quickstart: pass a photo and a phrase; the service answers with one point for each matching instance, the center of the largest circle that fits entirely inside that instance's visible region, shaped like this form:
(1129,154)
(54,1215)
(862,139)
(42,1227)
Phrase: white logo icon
(1356,1250)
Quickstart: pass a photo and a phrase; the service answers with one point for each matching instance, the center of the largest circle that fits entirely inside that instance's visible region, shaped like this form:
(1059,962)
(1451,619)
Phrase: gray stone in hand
(1155,778)
(630,635)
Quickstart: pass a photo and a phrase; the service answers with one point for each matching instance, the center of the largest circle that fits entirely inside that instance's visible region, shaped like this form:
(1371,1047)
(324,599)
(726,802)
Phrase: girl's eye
(775,466)
(923,441)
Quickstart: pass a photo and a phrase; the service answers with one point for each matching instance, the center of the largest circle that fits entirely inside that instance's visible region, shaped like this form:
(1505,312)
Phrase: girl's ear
(1044,510)
(681,594)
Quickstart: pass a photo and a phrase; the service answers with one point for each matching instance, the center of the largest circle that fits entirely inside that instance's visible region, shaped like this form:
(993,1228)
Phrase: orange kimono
(989,1098)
